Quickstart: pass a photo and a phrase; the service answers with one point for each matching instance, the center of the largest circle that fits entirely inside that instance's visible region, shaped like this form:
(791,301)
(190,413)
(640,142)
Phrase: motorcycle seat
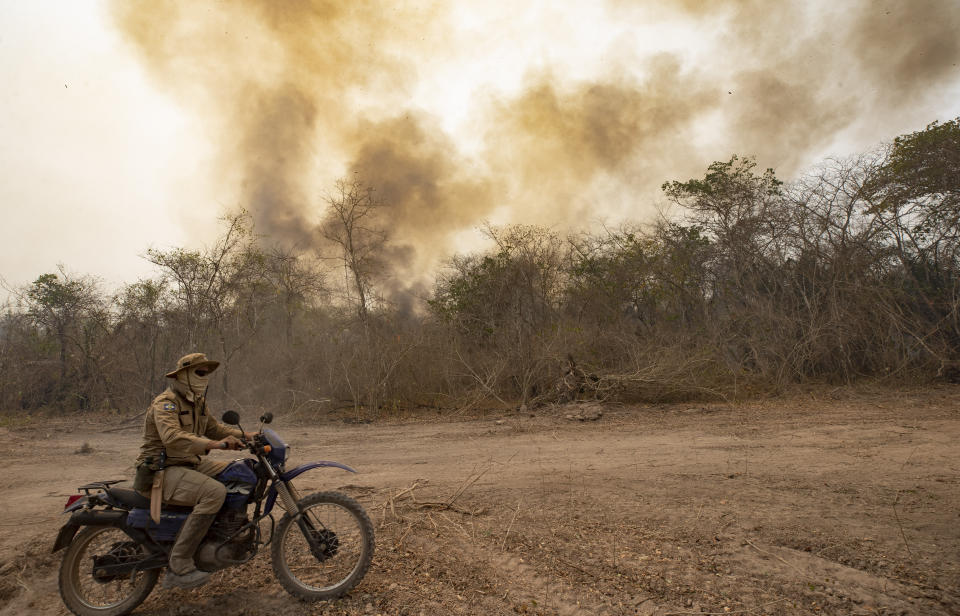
(132,498)
(129,497)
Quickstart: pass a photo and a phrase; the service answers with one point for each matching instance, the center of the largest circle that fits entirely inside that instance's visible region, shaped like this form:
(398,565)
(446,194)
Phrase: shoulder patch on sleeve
(169,406)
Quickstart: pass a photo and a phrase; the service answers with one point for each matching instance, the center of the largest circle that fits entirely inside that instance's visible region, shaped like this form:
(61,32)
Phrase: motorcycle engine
(224,545)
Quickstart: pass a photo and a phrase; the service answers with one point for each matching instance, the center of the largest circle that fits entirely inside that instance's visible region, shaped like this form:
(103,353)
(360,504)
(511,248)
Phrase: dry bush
(850,273)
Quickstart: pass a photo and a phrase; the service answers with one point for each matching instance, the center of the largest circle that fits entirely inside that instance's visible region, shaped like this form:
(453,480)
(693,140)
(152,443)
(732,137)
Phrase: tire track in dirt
(514,586)
(644,511)
(859,587)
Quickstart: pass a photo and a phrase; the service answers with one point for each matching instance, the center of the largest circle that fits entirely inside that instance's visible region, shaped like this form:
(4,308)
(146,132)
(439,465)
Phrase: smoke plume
(555,145)
(300,93)
(427,188)
(797,73)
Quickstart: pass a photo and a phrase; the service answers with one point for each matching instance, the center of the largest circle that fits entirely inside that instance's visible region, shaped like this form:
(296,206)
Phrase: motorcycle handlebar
(256,445)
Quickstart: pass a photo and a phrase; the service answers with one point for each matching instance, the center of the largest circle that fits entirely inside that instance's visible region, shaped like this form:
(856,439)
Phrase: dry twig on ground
(510,526)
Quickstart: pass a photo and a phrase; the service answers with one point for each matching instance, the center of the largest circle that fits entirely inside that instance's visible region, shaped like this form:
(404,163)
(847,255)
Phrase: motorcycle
(320,548)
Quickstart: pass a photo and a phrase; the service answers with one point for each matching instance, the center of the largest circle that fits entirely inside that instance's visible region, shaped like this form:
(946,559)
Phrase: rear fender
(98,517)
(297,471)
(77,504)
(94,500)
(88,517)
(68,530)
(65,536)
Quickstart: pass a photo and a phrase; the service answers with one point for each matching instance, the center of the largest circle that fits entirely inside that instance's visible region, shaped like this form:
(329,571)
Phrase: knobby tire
(77,565)
(357,529)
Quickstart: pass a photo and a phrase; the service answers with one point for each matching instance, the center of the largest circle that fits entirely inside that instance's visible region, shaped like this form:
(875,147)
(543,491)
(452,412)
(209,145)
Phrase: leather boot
(182,572)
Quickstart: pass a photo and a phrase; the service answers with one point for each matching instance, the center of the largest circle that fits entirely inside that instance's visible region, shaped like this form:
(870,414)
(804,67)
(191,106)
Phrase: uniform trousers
(197,488)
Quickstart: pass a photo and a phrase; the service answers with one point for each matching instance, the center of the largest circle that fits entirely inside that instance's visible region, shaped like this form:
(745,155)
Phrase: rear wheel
(325,550)
(86,584)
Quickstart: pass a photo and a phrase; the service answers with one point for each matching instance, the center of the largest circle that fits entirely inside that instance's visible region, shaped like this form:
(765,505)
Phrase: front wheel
(86,584)
(325,550)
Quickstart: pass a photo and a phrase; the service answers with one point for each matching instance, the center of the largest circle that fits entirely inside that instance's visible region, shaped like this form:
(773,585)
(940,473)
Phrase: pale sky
(100,161)
(96,163)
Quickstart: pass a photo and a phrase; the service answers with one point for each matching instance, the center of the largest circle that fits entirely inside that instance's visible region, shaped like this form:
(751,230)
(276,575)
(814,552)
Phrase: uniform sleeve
(217,431)
(166,416)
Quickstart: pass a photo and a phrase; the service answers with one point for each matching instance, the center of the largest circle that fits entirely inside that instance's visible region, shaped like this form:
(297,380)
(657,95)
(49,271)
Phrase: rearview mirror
(266,417)
(231,418)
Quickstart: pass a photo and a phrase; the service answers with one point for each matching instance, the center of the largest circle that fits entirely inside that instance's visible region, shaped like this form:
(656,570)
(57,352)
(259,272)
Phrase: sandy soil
(822,503)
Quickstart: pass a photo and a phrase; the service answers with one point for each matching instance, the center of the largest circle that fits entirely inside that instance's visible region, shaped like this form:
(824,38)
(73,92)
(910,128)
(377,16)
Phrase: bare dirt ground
(829,502)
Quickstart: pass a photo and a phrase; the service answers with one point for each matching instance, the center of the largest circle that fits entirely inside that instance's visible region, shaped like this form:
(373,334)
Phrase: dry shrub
(850,273)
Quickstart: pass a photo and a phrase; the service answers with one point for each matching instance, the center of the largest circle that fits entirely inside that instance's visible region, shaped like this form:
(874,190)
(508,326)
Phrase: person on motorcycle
(178,432)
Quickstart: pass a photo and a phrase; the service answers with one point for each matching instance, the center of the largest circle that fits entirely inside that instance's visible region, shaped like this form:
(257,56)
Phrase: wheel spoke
(103,594)
(87,584)
(337,552)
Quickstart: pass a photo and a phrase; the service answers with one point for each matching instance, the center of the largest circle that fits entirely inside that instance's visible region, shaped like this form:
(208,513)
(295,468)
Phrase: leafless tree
(217,288)
(352,227)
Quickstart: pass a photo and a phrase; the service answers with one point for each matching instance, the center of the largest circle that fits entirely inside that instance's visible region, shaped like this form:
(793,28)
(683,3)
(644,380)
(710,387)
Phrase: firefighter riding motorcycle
(320,547)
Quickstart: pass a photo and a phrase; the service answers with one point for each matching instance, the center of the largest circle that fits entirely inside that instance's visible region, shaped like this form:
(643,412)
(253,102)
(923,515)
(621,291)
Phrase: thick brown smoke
(277,82)
(300,93)
(552,142)
(272,176)
(427,188)
(907,47)
(796,73)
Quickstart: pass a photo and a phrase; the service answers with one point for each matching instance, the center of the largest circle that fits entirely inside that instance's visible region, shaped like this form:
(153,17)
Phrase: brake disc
(325,544)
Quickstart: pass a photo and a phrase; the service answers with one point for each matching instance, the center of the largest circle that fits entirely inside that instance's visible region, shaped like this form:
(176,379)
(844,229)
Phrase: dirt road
(808,505)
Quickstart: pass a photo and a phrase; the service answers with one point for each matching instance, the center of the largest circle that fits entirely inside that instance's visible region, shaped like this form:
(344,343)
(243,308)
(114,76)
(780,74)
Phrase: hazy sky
(129,125)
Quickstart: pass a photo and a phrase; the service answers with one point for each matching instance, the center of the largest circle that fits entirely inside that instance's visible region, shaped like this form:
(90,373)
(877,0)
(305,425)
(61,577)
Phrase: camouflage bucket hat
(193,360)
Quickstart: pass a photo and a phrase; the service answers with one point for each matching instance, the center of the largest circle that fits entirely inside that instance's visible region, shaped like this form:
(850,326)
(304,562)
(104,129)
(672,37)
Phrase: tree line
(749,285)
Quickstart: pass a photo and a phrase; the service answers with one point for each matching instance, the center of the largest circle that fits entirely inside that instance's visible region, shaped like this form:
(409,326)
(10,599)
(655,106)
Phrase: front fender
(295,472)
(299,470)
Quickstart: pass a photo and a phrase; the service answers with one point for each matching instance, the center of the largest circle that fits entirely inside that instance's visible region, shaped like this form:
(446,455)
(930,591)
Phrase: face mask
(195,379)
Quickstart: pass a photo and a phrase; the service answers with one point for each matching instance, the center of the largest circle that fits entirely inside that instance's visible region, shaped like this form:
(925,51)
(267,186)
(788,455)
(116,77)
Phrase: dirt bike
(320,548)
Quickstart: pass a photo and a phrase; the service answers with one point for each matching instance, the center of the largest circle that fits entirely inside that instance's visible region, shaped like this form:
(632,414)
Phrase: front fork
(290,497)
